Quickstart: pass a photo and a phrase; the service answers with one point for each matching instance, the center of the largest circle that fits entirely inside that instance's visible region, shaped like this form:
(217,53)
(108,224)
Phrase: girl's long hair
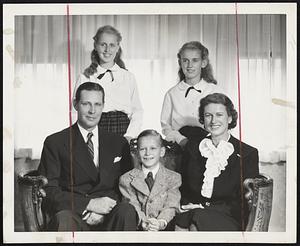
(90,70)
(206,72)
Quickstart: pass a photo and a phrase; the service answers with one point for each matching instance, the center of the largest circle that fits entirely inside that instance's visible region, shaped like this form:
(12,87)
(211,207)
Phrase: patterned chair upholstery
(259,197)
(259,193)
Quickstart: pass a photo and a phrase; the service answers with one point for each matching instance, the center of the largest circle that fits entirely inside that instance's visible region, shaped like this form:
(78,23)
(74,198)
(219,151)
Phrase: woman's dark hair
(89,86)
(150,132)
(206,72)
(94,55)
(218,98)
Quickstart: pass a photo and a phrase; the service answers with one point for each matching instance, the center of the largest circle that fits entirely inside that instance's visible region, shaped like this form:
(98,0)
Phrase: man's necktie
(102,74)
(90,144)
(149,180)
(190,88)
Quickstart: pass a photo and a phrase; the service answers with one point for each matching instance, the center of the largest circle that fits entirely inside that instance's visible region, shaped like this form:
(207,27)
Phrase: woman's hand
(183,142)
(170,138)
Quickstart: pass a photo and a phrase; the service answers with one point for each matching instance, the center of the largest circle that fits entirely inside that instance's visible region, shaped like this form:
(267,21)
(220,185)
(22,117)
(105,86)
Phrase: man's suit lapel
(81,155)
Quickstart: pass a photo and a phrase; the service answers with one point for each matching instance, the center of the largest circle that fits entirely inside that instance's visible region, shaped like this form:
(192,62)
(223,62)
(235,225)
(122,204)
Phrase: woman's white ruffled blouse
(216,162)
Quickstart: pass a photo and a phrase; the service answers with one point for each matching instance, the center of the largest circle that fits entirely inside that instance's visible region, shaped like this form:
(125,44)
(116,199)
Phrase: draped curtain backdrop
(150,45)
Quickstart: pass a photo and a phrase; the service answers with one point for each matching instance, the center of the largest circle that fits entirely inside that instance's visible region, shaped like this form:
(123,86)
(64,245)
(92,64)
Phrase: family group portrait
(150,122)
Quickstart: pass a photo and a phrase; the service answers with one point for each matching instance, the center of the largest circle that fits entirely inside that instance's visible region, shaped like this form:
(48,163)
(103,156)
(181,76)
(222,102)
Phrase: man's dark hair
(89,86)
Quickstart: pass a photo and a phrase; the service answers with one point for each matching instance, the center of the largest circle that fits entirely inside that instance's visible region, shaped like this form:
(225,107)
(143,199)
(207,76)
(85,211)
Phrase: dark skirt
(212,218)
(114,121)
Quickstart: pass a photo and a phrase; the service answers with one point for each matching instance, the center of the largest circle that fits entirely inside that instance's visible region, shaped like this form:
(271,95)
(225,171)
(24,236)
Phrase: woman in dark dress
(213,170)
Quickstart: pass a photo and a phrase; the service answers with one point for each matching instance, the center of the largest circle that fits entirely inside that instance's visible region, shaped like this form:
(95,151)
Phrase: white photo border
(11,10)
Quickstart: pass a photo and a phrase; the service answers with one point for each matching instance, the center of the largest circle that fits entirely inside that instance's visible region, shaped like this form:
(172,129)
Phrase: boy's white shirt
(154,170)
(94,139)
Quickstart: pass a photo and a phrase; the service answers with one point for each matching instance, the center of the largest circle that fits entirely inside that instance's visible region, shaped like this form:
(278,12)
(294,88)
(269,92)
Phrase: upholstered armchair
(31,194)
(259,193)
(259,196)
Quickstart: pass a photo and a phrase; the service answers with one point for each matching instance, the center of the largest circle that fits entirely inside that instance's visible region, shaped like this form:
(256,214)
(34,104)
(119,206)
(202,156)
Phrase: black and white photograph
(171,122)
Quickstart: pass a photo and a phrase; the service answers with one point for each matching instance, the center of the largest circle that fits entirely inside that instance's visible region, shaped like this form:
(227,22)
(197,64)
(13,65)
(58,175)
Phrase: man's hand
(94,219)
(101,205)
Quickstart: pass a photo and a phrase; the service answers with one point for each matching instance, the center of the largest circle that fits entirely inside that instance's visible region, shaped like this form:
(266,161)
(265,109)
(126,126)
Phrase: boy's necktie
(149,180)
(190,88)
(90,144)
(102,74)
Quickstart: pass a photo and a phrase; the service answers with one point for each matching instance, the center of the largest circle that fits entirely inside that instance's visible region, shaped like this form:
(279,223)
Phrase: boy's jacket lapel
(139,183)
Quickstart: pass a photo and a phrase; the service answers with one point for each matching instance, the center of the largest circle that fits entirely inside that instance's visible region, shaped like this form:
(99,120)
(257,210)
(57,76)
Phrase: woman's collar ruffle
(216,162)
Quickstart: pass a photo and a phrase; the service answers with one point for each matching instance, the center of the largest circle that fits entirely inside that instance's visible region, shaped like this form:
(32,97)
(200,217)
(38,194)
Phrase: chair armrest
(259,196)
(31,194)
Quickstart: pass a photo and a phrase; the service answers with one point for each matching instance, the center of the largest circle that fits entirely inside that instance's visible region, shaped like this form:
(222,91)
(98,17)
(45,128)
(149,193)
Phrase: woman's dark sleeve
(251,169)
(192,173)
(183,171)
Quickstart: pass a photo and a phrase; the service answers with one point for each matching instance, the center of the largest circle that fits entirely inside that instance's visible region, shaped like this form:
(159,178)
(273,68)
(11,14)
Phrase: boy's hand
(153,224)
(162,224)
(150,225)
(145,225)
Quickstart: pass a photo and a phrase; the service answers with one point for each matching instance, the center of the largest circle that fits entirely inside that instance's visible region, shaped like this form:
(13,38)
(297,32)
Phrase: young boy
(151,188)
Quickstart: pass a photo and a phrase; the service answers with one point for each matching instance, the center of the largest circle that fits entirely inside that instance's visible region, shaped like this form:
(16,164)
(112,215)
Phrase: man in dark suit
(83,165)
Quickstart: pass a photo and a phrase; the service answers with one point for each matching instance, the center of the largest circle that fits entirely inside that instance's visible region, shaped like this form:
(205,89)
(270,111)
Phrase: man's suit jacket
(73,177)
(163,200)
(227,186)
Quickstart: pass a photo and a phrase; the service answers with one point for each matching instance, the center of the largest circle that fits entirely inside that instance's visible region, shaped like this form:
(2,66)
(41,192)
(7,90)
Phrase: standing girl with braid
(179,115)
(123,111)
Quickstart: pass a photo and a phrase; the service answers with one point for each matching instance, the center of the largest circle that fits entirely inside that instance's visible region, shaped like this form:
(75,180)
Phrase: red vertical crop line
(240,118)
(70,118)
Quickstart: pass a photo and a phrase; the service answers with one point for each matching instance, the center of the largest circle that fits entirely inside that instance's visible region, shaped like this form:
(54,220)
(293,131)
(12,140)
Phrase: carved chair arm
(259,195)
(31,193)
